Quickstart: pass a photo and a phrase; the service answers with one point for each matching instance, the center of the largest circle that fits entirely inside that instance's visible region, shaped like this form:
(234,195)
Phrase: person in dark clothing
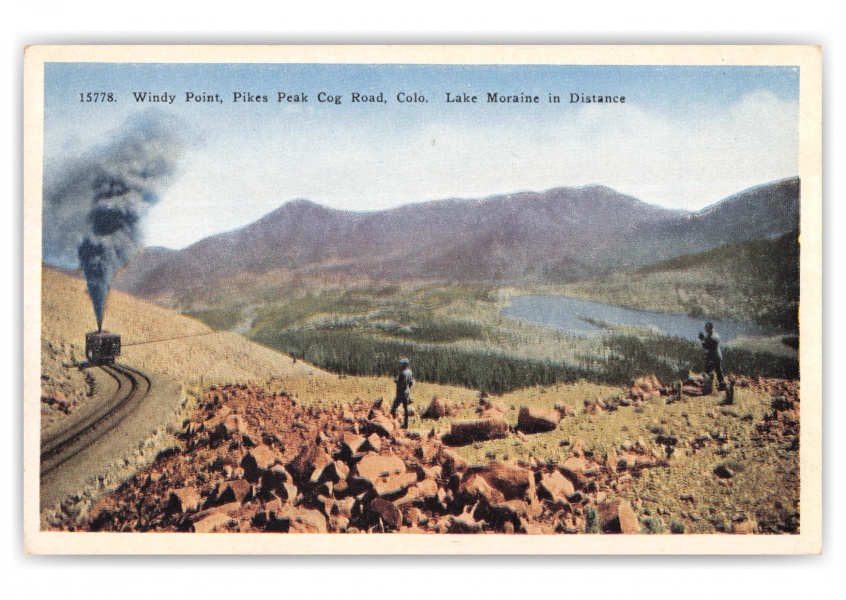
(713,355)
(404,381)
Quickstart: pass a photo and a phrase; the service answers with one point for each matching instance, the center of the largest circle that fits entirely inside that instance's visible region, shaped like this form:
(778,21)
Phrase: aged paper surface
(228,250)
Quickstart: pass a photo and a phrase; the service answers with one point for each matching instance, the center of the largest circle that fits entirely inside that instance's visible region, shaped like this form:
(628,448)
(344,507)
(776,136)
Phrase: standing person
(404,382)
(713,355)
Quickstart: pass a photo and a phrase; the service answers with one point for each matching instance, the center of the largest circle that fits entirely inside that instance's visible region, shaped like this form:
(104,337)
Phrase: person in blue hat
(404,381)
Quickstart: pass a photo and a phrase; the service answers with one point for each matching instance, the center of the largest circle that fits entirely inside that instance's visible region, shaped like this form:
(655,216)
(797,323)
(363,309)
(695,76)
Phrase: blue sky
(685,138)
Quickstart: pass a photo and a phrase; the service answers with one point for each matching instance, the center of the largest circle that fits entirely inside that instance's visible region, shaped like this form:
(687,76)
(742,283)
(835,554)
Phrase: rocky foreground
(252,460)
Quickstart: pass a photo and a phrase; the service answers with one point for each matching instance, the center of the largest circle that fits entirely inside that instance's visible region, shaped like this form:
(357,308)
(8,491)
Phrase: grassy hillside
(752,281)
(181,348)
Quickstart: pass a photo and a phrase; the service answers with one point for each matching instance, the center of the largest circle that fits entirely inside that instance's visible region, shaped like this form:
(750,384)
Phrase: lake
(569,315)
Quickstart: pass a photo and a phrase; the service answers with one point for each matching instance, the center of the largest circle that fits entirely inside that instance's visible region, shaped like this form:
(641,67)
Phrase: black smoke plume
(94,204)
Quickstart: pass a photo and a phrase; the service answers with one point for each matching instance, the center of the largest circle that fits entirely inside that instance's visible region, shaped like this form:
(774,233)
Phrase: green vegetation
(671,358)
(676,526)
(350,352)
(591,520)
(653,525)
(221,320)
(454,334)
(751,281)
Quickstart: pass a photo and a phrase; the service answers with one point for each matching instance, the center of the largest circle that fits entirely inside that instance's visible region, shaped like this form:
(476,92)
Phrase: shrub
(591,521)
(676,526)
(653,525)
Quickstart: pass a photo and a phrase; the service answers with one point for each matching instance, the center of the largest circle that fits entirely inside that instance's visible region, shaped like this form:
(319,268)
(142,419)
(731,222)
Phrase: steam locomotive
(101,347)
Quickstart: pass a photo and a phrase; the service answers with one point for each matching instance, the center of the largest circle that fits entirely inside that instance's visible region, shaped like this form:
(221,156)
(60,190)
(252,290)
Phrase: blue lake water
(568,315)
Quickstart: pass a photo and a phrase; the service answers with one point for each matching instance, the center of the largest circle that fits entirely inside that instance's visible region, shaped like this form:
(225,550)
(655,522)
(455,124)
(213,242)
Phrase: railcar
(102,347)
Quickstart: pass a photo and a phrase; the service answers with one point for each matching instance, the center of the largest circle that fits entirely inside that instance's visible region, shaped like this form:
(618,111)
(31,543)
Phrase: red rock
(490,413)
(515,483)
(387,512)
(344,507)
(372,466)
(374,443)
(321,462)
(593,409)
(353,443)
(212,423)
(394,484)
(274,478)
(535,420)
(427,488)
(611,461)
(464,523)
(304,463)
(438,408)
(617,516)
(233,424)
(381,425)
(628,519)
(229,508)
(433,472)
(451,461)
(476,487)
(575,477)
(385,474)
(303,520)
(258,461)
(465,432)
(215,521)
(580,465)
(426,452)
(237,490)
(184,500)
(745,527)
(191,428)
(555,486)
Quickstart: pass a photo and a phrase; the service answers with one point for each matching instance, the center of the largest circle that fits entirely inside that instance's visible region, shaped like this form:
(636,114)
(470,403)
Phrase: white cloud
(677,162)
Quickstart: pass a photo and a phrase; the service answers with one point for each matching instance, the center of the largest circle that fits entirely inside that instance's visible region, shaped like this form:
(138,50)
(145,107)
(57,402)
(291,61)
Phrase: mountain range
(562,234)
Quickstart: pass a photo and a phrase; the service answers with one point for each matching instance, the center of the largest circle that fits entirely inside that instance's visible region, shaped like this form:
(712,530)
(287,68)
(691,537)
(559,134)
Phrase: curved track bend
(68,442)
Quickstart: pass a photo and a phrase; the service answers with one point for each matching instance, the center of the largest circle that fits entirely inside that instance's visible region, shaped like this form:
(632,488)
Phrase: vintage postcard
(329,299)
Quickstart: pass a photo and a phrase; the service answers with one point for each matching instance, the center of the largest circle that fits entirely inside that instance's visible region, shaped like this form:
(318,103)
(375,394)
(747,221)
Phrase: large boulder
(215,521)
(386,475)
(310,457)
(439,408)
(515,483)
(381,425)
(302,520)
(386,512)
(183,500)
(467,432)
(259,461)
(536,420)
(475,488)
(555,487)
(236,490)
(618,516)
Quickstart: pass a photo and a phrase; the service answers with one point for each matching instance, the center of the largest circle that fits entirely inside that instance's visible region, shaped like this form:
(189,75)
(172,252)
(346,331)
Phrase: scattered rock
(535,420)
(213,522)
(467,432)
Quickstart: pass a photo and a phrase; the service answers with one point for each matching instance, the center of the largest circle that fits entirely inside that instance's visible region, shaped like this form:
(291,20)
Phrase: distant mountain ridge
(560,234)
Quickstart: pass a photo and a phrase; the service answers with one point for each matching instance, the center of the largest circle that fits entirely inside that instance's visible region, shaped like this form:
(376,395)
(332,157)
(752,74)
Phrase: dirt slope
(67,315)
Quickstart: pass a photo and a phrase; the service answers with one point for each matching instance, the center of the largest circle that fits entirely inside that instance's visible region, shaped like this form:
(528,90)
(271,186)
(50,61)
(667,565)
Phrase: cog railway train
(102,347)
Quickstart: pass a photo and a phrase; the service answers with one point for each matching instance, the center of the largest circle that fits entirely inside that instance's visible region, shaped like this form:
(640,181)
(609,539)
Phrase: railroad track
(67,443)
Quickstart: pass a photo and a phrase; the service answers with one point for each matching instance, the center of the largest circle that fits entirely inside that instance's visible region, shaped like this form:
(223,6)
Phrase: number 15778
(96,97)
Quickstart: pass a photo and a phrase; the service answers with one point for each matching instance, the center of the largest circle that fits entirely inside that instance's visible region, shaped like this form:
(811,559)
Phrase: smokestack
(95,204)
